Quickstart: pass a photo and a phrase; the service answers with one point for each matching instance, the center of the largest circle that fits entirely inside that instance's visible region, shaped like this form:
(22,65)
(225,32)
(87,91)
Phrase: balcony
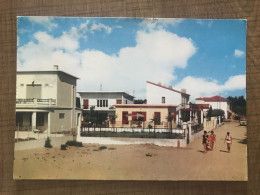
(35,102)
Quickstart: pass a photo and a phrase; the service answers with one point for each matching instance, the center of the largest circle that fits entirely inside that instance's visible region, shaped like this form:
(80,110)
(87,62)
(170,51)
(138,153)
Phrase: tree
(209,113)
(218,112)
(238,105)
(140,101)
(169,119)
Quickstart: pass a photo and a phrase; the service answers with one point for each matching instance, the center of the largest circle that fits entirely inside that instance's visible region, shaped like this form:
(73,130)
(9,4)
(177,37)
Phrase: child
(212,139)
(204,141)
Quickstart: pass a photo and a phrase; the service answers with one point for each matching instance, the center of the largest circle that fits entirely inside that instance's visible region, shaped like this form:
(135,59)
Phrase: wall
(64,124)
(128,141)
(49,91)
(149,112)
(215,105)
(110,96)
(154,95)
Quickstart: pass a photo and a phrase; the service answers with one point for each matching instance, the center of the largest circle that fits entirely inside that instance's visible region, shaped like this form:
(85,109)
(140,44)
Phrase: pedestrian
(204,141)
(228,140)
(212,139)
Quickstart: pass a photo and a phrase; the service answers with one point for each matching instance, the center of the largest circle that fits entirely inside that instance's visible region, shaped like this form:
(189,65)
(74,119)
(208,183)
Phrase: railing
(34,101)
(133,132)
(143,124)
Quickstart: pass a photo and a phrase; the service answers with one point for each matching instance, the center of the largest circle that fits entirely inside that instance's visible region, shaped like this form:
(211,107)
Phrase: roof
(158,85)
(45,72)
(202,106)
(144,106)
(104,92)
(213,99)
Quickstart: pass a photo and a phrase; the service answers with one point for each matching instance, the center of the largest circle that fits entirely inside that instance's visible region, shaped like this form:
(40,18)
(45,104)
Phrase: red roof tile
(158,85)
(213,99)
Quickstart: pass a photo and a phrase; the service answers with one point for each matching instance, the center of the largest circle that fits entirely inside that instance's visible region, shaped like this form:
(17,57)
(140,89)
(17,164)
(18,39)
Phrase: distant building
(216,102)
(134,115)
(162,102)
(103,101)
(46,101)
(159,94)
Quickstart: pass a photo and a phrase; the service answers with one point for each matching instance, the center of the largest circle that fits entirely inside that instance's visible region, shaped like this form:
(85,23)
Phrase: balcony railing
(36,102)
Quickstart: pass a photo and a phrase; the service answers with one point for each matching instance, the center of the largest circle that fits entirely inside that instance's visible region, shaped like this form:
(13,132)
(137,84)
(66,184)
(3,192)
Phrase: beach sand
(139,162)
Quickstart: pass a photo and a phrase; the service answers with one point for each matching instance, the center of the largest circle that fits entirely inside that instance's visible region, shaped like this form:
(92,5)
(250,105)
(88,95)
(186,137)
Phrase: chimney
(56,67)
(183,90)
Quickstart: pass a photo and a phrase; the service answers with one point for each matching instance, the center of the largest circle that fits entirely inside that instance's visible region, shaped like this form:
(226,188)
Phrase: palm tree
(113,120)
(169,119)
(154,119)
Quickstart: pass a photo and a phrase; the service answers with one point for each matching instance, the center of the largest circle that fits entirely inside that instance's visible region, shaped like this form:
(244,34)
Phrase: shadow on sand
(223,151)
(243,141)
(201,151)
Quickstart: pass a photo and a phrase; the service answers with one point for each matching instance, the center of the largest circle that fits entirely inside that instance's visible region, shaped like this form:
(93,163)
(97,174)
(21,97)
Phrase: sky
(205,57)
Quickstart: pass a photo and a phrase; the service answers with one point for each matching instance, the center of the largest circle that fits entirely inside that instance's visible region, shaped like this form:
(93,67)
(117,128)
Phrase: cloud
(99,27)
(209,23)
(159,24)
(201,87)
(43,20)
(155,57)
(239,53)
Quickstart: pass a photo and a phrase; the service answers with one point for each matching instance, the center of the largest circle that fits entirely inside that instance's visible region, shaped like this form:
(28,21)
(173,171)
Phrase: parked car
(242,122)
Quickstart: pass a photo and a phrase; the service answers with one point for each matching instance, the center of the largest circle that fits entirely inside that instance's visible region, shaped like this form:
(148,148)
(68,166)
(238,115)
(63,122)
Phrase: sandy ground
(139,162)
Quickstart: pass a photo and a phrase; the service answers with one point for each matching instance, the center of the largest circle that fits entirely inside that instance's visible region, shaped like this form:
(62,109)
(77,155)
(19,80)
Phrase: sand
(139,162)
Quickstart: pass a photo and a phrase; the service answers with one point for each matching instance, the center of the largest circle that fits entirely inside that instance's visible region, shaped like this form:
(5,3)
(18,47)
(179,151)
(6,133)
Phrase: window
(139,116)
(163,100)
(118,101)
(102,103)
(62,115)
(85,104)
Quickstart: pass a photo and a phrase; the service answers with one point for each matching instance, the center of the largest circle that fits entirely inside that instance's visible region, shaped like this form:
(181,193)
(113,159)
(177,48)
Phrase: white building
(159,94)
(216,102)
(46,101)
(104,101)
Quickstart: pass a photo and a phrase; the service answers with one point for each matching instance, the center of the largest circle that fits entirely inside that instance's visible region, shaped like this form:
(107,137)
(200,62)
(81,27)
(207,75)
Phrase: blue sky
(207,57)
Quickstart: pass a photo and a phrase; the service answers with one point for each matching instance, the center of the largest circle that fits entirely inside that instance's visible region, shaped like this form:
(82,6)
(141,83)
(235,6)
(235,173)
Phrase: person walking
(204,141)
(228,140)
(212,139)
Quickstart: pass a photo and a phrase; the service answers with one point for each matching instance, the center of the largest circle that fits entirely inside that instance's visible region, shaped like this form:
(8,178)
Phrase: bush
(102,148)
(74,143)
(63,147)
(48,143)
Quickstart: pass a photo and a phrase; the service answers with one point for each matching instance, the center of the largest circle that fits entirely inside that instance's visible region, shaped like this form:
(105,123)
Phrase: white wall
(48,82)
(111,97)
(215,105)
(154,95)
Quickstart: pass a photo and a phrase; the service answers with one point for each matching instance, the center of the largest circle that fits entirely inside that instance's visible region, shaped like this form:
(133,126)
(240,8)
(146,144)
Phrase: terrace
(35,102)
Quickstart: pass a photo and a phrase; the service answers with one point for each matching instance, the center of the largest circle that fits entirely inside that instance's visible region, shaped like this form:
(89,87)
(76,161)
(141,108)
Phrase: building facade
(102,103)
(216,102)
(159,94)
(141,115)
(46,101)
